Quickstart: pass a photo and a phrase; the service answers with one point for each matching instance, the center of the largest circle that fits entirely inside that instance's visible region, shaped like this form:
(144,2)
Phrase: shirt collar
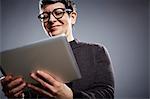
(74,44)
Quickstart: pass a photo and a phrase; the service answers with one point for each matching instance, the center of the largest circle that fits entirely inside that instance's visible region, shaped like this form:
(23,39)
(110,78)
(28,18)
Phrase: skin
(13,86)
(64,25)
(51,85)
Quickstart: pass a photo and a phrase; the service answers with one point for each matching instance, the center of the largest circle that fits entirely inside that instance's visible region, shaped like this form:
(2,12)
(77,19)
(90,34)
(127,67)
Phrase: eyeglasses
(57,13)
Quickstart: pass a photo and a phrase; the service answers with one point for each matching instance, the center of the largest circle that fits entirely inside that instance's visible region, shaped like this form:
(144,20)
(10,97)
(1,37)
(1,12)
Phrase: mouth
(54,27)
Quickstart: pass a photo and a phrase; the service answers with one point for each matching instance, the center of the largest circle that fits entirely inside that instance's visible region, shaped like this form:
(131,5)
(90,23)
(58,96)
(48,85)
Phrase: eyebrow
(53,9)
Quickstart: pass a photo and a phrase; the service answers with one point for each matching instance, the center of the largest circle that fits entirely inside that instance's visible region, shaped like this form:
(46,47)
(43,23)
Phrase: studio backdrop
(120,25)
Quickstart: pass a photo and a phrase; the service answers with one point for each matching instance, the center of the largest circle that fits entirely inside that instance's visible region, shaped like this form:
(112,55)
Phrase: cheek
(45,25)
(66,24)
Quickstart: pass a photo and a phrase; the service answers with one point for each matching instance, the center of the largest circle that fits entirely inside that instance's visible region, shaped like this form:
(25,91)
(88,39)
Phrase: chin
(55,33)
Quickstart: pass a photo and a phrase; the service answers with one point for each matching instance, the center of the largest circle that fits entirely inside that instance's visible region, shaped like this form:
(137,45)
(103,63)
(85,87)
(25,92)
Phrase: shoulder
(96,49)
(88,47)
(94,46)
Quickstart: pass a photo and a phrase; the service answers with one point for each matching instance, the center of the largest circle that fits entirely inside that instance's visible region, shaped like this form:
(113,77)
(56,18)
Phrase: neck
(70,37)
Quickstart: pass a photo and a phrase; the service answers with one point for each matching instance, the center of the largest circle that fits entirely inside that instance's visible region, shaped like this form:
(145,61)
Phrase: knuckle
(24,83)
(58,89)
(43,83)
(20,79)
(8,86)
(10,92)
(59,86)
(55,92)
(17,95)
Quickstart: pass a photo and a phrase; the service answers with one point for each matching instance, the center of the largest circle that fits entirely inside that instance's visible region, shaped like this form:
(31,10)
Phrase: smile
(55,26)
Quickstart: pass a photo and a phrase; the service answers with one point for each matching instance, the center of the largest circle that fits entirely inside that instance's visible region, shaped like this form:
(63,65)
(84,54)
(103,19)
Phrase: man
(58,17)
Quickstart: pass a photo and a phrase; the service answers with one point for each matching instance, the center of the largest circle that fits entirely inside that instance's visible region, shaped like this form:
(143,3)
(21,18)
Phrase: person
(58,17)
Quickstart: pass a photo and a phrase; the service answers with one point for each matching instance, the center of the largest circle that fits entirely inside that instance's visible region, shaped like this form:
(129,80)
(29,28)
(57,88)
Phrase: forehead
(51,7)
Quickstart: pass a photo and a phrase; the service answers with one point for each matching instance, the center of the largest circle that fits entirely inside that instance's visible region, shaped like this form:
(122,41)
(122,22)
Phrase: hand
(50,86)
(13,86)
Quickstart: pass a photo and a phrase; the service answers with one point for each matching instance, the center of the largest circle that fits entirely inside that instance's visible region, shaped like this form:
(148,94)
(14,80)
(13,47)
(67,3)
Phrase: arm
(103,87)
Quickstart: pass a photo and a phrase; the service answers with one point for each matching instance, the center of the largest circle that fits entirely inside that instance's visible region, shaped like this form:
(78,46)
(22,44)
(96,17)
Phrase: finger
(6,80)
(51,80)
(17,89)
(40,91)
(47,77)
(15,82)
(57,78)
(43,83)
(19,94)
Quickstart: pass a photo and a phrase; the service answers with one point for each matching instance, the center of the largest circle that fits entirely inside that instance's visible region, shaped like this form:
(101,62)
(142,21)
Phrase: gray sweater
(95,66)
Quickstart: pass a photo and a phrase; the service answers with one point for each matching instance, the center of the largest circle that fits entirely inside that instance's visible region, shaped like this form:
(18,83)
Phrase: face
(58,26)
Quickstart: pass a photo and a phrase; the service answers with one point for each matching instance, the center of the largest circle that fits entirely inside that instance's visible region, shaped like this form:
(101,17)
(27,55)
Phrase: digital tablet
(53,55)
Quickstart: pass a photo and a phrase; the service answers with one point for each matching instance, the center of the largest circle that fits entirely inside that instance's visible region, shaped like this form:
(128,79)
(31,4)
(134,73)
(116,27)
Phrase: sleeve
(103,86)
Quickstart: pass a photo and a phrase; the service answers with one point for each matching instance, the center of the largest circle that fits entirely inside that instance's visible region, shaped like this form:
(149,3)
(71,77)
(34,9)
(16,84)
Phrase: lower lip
(55,26)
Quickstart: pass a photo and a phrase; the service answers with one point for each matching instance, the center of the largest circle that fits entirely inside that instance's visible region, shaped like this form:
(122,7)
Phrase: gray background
(120,25)
(149,43)
(0,26)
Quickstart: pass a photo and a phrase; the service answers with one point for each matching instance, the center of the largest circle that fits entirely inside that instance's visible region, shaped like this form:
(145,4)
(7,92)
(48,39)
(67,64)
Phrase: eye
(44,16)
(58,12)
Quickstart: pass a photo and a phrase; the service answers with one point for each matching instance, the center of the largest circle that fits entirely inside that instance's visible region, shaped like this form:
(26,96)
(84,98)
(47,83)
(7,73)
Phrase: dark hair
(69,4)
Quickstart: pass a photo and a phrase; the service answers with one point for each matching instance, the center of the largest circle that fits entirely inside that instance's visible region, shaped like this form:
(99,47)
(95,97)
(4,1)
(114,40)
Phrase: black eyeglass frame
(49,13)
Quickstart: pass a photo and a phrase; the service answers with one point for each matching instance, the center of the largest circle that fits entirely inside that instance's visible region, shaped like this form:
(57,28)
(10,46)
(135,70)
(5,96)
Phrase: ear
(73,17)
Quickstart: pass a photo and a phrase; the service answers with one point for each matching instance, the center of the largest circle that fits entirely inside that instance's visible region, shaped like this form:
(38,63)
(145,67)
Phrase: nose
(51,18)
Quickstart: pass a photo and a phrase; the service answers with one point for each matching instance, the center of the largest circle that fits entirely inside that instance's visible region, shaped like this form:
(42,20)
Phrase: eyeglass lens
(57,13)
